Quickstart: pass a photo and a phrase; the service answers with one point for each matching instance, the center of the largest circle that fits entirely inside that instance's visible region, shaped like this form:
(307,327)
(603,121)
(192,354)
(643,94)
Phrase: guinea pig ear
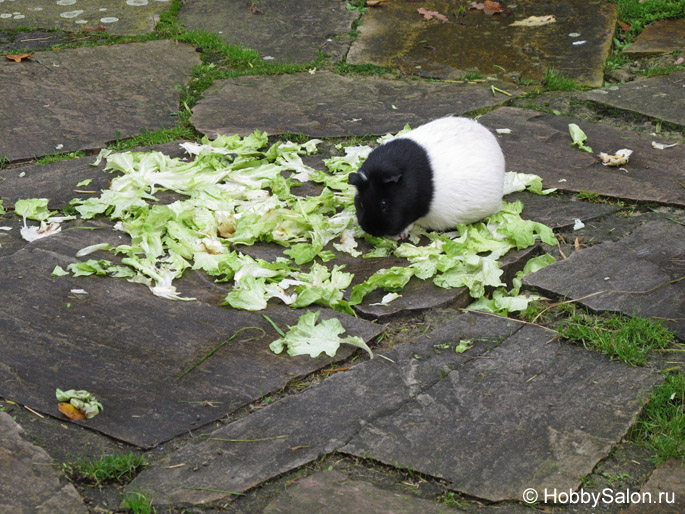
(357,179)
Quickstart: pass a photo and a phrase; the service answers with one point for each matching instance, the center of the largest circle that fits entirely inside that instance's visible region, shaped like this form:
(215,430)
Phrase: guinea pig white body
(441,174)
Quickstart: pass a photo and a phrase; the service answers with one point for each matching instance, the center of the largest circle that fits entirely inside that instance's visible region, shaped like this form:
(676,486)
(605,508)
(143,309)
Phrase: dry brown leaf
(577,242)
(374,3)
(429,15)
(624,25)
(491,8)
(70,411)
(18,57)
(99,28)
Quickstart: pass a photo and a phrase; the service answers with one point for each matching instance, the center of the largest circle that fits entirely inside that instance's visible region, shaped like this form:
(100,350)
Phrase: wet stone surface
(331,491)
(467,418)
(541,144)
(658,37)
(268,26)
(657,97)
(576,44)
(33,40)
(129,17)
(80,99)
(327,105)
(28,468)
(130,348)
(632,275)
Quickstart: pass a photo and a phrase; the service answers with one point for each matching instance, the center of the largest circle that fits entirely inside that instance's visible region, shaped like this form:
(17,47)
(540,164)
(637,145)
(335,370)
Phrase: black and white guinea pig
(443,173)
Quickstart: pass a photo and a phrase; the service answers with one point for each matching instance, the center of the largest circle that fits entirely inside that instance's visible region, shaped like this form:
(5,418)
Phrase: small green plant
(555,81)
(473,76)
(619,336)
(451,498)
(586,195)
(156,137)
(138,503)
(108,468)
(587,481)
(662,425)
(55,157)
(615,478)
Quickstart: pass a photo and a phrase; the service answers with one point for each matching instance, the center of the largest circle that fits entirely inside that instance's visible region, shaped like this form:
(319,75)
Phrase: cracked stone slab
(128,18)
(659,37)
(301,428)
(659,97)
(631,275)
(576,44)
(29,480)
(80,98)
(329,105)
(534,414)
(130,348)
(665,488)
(289,31)
(540,144)
(332,491)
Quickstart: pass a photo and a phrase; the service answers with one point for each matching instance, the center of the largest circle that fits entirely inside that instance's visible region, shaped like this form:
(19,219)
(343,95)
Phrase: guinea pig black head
(394,187)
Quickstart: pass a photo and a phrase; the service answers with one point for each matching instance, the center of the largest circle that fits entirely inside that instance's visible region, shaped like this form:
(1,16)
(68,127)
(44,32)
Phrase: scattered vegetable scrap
(620,158)
(662,146)
(535,21)
(578,137)
(78,404)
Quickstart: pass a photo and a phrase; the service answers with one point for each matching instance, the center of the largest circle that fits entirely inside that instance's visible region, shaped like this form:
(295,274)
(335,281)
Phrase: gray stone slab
(327,105)
(57,181)
(29,480)
(631,275)
(85,97)
(289,31)
(332,491)
(397,35)
(301,428)
(123,18)
(540,144)
(657,38)
(129,347)
(534,414)
(32,40)
(665,488)
(657,97)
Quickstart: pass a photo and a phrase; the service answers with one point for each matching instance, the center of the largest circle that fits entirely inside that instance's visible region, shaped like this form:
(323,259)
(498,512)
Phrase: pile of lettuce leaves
(236,191)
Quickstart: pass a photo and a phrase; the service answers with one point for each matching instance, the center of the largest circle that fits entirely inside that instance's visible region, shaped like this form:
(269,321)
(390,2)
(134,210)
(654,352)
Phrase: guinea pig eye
(384,205)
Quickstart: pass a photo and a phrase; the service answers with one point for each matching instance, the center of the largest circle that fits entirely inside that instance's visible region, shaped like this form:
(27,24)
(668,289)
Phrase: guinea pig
(443,173)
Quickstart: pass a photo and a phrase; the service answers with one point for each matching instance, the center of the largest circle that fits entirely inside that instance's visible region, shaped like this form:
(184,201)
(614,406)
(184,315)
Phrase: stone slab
(634,273)
(659,97)
(659,37)
(665,488)
(540,144)
(29,480)
(301,428)
(129,347)
(534,414)
(84,97)
(332,491)
(396,35)
(33,40)
(123,18)
(288,31)
(328,105)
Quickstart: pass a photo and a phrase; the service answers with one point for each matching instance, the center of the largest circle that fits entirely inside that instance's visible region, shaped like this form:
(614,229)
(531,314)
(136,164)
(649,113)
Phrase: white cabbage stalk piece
(33,233)
(620,158)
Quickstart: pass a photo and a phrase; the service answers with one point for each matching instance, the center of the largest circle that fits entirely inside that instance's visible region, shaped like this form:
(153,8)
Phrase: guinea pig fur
(441,174)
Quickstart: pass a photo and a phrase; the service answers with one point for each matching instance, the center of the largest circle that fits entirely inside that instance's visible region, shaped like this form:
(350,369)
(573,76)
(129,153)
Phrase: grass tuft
(619,336)
(106,469)
(662,426)
(555,81)
(138,503)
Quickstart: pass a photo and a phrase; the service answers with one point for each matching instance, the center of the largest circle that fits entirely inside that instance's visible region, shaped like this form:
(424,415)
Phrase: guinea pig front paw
(405,233)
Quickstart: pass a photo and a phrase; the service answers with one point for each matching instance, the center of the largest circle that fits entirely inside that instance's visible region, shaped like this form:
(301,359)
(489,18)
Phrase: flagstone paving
(518,409)
(269,27)
(659,97)
(131,17)
(325,104)
(85,97)
(658,37)
(575,44)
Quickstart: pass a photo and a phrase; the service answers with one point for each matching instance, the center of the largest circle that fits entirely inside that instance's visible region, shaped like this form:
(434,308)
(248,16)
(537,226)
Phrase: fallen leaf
(429,15)
(624,26)
(254,10)
(99,28)
(476,5)
(535,21)
(679,60)
(70,411)
(491,7)
(374,3)
(577,242)
(18,57)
